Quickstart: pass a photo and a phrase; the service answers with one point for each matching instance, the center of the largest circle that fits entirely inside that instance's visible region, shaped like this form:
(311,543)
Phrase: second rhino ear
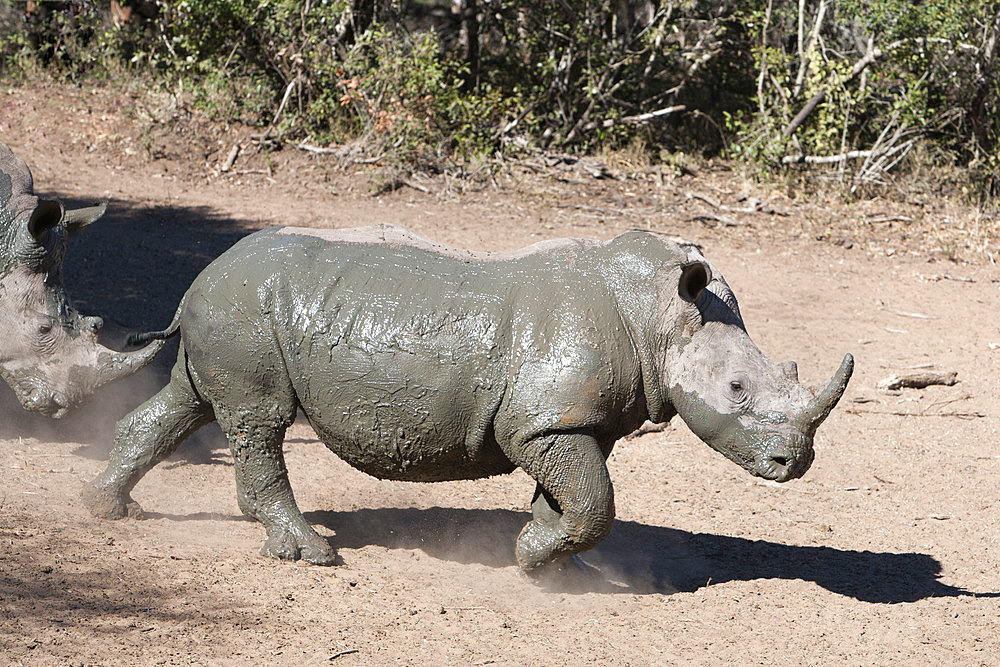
(695,277)
(46,215)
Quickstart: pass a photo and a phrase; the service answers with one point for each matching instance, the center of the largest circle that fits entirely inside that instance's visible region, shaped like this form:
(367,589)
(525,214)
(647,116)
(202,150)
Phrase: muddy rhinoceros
(49,354)
(415,361)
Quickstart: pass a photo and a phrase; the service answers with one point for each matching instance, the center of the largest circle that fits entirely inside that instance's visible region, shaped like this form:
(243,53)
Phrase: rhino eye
(45,328)
(736,386)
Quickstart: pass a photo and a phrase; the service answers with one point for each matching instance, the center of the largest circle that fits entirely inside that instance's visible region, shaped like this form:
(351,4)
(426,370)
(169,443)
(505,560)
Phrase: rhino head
(708,371)
(49,354)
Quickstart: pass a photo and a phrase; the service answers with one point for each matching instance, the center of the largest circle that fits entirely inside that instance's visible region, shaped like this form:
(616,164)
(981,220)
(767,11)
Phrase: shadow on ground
(131,268)
(52,582)
(641,559)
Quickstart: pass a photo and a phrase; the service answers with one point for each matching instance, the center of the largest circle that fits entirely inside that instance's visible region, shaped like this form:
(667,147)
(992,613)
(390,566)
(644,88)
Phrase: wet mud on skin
(418,362)
(883,553)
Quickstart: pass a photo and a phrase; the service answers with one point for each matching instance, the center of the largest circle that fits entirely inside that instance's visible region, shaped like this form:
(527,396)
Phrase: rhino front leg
(573,508)
(143,438)
(263,491)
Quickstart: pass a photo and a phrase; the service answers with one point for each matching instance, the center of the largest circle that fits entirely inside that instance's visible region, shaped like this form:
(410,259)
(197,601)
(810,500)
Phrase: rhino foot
(105,504)
(571,575)
(288,546)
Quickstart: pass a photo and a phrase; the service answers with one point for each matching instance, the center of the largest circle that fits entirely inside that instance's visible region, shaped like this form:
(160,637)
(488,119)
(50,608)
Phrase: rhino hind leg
(573,508)
(144,438)
(263,491)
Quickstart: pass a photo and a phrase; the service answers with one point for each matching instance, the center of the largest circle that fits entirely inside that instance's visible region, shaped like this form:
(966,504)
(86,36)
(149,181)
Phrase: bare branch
(824,159)
(804,50)
(814,101)
(634,120)
(763,61)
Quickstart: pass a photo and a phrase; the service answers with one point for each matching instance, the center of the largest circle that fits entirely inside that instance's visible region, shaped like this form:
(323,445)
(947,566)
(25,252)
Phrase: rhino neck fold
(652,387)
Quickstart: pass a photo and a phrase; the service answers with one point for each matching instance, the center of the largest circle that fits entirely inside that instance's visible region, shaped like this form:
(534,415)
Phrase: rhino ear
(78,218)
(790,370)
(695,277)
(46,215)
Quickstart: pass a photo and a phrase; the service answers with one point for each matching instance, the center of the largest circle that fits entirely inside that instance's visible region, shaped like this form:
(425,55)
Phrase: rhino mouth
(781,466)
(35,396)
(46,404)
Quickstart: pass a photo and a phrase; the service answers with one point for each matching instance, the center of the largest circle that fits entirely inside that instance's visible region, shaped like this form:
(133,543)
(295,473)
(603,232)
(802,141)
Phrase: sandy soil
(885,553)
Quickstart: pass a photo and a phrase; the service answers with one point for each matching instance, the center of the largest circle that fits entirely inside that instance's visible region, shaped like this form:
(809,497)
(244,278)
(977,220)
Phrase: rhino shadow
(638,558)
(131,268)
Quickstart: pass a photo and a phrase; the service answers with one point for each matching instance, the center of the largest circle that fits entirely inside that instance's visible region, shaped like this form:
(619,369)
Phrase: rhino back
(402,355)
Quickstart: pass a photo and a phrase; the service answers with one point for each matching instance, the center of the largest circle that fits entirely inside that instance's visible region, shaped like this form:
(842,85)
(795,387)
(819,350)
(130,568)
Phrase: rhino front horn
(78,218)
(113,366)
(826,397)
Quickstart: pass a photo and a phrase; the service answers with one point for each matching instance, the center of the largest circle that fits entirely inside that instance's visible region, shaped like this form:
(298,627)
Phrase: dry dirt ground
(885,553)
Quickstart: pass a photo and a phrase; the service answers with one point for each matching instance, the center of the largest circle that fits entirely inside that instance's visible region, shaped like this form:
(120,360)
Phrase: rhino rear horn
(826,397)
(112,366)
(78,218)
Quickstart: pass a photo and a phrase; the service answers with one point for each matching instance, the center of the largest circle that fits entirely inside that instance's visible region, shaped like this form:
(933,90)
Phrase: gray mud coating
(417,362)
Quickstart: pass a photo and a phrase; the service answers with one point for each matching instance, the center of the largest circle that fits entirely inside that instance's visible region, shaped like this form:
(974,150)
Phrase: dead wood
(919,380)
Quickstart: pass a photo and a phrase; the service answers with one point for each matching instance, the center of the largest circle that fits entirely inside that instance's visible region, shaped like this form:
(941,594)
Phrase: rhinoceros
(49,354)
(415,361)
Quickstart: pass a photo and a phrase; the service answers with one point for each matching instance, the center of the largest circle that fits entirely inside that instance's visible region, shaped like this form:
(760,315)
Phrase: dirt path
(885,553)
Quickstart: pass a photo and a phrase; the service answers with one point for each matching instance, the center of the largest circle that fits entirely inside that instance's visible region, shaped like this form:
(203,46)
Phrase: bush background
(857,93)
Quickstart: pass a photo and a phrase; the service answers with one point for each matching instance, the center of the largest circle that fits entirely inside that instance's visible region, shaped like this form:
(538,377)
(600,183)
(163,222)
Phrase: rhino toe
(287,546)
(106,504)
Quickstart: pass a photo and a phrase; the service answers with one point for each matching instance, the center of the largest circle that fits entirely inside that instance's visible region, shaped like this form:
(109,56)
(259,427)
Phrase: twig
(695,195)
(281,108)
(917,316)
(889,218)
(957,415)
(343,653)
(726,222)
(960,279)
(936,404)
(514,123)
(416,186)
(634,120)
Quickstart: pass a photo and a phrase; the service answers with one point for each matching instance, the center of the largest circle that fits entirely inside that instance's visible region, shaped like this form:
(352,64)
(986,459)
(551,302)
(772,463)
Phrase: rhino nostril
(780,460)
(94,324)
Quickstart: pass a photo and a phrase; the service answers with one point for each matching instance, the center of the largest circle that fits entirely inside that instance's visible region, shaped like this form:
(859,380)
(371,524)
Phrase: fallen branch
(824,159)
(957,415)
(919,380)
(319,150)
(230,159)
(416,186)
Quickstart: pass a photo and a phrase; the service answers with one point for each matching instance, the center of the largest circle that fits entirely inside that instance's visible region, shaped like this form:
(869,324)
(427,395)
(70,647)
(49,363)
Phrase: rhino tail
(137,339)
